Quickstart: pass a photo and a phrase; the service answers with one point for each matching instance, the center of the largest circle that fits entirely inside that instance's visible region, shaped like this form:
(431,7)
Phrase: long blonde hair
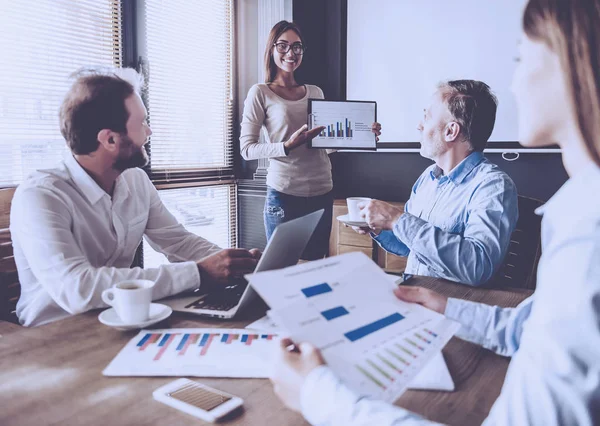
(571,28)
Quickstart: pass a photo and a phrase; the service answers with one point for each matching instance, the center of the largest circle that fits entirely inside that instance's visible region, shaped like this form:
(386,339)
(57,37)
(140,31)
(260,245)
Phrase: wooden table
(53,374)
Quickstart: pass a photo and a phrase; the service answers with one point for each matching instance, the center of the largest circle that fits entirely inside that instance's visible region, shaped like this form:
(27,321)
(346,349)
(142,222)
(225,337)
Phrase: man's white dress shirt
(72,241)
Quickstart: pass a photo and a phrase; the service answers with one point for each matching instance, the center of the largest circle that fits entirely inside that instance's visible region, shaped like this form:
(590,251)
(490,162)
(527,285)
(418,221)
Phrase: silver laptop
(284,249)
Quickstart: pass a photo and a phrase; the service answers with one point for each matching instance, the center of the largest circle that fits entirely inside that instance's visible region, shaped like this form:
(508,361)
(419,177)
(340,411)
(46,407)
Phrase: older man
(463,209)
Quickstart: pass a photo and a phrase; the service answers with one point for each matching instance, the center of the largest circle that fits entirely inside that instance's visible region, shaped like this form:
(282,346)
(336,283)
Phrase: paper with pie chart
(347,124)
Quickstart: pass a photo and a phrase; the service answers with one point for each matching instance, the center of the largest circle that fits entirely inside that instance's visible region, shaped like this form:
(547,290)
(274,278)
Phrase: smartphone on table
(198,400)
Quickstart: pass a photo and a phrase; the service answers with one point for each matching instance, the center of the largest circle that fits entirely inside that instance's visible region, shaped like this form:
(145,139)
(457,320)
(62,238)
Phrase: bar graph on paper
(340,129)
(194,352)
(375,350)
(347,124)
(386,365)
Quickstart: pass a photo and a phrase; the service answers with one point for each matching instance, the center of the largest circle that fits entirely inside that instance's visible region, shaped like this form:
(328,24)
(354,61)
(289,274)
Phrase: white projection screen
(399,50)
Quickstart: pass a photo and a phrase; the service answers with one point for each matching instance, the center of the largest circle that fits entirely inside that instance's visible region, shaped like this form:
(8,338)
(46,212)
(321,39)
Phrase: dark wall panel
(390,176)
(323,25)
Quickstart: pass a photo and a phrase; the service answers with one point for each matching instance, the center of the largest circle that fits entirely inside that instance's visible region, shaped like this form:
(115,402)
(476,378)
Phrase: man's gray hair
(473,106)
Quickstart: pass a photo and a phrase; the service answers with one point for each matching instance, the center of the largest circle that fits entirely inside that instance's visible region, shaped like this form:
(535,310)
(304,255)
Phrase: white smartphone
(197,399)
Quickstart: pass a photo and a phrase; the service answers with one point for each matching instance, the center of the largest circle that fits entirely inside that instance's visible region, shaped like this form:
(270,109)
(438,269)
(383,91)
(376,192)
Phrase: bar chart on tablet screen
(347,124)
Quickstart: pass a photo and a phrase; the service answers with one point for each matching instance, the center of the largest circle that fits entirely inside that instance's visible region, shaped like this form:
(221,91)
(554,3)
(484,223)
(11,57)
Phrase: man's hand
(376,128)
(302,136)
(227,264)
(379,215)
(363,230)
(291,369)
(423,296)
(256,253)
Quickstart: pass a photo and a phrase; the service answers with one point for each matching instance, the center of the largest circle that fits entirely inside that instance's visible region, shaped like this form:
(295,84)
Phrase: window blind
(206,211)
(189,49)
(42,43)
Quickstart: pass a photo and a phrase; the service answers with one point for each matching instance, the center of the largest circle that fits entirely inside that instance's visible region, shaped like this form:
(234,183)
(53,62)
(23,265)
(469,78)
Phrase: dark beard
(129,161)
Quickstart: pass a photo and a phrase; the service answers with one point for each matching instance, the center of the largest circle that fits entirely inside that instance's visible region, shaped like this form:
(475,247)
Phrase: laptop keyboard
(223,300)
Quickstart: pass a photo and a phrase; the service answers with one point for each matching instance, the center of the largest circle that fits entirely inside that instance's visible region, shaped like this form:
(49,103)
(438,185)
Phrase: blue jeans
(280,207)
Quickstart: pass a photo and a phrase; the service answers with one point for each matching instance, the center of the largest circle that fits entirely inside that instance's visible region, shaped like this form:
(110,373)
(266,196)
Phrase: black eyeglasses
(297,48)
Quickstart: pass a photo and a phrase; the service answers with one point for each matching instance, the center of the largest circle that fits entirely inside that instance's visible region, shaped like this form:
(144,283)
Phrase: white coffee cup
(131,299)
(353,210)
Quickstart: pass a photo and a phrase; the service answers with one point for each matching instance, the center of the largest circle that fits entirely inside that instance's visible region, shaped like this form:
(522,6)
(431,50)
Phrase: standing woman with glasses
(299,178)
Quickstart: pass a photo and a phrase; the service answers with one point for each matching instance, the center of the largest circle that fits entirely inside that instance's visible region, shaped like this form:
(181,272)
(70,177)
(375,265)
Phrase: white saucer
(158,312)
(344,219)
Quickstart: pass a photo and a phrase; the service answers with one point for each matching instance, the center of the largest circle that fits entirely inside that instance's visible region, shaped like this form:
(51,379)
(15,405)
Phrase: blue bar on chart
(204,339)
(164,344)
(186,341)
(315,290)
(334,313)
(144,339)
(148,340)
(164,339)
(182,342)
(365,330)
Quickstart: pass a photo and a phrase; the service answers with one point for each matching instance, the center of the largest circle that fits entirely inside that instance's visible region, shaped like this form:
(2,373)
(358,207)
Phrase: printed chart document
(198,352)
(435,376)
(347,124)
(344,305)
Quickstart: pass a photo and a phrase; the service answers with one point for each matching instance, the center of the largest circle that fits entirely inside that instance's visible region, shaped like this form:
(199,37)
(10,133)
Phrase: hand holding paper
(376,344)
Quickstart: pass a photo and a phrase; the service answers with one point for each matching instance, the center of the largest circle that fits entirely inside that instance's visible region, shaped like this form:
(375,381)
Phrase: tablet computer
(347,124)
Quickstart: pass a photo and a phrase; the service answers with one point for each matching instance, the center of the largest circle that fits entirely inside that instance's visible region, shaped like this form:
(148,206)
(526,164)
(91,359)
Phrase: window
(186,50)
(187,57)
(41,45)
(189,52)
(205,211)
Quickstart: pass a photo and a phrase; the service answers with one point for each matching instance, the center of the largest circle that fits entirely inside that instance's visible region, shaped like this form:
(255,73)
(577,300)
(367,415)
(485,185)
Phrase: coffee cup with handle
(131,300)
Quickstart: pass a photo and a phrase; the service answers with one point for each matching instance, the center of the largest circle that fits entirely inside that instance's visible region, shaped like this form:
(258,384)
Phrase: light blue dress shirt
(456,226)
(553,336)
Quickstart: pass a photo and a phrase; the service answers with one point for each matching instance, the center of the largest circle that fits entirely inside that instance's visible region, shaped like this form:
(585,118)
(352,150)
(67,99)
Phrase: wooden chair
(10,289)
(519,268)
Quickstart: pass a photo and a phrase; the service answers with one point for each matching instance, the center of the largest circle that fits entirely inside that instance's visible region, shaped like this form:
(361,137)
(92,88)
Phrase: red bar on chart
(207,344)
(164,347)
(250,338)
(231,338)
(190,341)
(153,339)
